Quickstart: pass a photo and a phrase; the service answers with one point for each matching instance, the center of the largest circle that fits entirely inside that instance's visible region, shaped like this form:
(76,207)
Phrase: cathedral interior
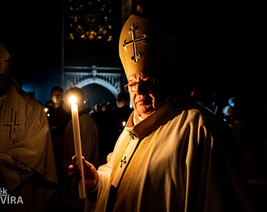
(75,43)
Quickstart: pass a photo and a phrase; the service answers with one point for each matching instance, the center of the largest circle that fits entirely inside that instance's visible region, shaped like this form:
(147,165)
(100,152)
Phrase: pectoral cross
(134,40)
(12,124)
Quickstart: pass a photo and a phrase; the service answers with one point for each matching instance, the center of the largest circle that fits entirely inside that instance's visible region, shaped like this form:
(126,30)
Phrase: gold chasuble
(27,166)
(180,158)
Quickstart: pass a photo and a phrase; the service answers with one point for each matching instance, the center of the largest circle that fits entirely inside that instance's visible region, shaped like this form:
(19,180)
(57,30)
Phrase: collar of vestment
(159,117)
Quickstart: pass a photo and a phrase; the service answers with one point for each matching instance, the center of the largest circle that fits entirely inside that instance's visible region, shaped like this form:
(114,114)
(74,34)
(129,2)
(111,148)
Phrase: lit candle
(77,144)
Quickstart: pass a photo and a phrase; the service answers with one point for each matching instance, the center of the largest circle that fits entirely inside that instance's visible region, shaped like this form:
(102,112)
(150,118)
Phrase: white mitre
(144,47)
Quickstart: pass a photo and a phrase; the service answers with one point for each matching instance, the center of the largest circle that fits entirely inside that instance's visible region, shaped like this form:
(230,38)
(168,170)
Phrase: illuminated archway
(111,81)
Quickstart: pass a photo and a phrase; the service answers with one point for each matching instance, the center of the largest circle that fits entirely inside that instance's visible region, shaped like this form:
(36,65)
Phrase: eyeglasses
(148,85)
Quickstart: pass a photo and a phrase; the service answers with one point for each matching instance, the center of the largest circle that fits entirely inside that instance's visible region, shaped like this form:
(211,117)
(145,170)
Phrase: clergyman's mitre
(5,59)
(144,47)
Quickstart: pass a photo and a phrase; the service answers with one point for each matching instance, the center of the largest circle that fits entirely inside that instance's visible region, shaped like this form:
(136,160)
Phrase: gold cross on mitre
(134,40)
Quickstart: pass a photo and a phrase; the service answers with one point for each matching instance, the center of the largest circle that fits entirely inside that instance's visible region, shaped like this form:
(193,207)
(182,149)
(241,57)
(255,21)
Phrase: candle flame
(72,99)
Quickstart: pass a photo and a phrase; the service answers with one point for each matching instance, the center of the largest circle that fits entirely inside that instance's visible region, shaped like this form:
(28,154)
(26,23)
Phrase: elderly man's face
(143,95)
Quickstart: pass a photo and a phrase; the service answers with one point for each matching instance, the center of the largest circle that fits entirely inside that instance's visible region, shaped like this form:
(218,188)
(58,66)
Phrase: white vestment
(180,158)
(27,163)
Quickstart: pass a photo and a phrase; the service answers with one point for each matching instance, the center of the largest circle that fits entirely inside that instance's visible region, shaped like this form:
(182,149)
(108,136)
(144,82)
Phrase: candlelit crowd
(100,127)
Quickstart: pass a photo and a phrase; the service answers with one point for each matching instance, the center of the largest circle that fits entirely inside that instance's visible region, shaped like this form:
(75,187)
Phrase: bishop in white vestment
(173,154)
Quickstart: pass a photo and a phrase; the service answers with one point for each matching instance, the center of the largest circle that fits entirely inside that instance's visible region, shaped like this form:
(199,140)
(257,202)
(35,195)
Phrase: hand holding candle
(77,144)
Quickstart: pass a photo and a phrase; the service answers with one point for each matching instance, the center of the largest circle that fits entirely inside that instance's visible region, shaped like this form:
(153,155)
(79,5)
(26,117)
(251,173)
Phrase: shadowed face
(143,94)
(57,96)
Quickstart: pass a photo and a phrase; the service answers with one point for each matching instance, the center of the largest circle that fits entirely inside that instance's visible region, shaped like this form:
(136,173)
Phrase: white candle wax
(78,148)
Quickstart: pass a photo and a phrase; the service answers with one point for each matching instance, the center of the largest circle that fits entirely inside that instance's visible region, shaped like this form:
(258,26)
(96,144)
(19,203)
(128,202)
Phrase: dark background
(220,49)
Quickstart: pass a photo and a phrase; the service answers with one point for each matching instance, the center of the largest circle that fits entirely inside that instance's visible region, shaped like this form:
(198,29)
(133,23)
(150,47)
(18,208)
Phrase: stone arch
(111,81)
(103,83)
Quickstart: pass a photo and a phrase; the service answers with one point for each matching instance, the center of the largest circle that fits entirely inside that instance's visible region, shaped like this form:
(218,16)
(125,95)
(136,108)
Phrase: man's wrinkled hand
(90,173)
